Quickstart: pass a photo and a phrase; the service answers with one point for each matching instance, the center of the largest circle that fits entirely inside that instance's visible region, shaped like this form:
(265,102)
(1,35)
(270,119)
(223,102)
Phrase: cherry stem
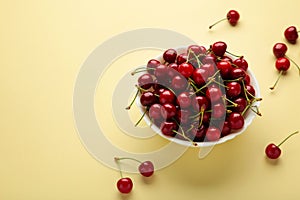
(288,137)
(233,54)
(127,158)
(280,74)
(135,96)
(294,63)
(217,23)
(198,61)
(140,118)
(183,134)
(119,167)
(226,99)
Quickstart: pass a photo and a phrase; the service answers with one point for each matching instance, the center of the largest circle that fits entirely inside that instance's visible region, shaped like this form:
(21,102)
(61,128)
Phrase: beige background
(44,43)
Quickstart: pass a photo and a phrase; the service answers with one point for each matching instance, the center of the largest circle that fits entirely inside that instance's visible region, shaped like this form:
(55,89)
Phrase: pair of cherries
(125,184)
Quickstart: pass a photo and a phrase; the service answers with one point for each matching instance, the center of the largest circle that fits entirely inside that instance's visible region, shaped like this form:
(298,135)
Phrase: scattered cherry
(170,55)
(219,48)
(282,65)
(291,34)
(125,185)
(273,151)
(232,16)
(145,168)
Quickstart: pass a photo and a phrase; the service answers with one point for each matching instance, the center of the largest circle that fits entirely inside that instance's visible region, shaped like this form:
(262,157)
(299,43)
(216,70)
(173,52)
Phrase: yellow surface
(44,43)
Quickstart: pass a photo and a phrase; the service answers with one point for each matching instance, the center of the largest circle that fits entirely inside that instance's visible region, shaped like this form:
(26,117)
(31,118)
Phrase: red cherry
(233,89)
(209,68)
(200,76)
(125,185)
(146,168)
(226,129)
(218,110)
(168,111)
(219,48)
(197,133)
(145,81)
(186,69)
(184,100)
(151,65)
(279,50)
(225,69)
(166,97)
(196,49)
(214,94)
(167,128)
(291,34)
(181,58)
(161,72)
(170,55)
(179,83)
(237,73)
(155,111)
(282,65)
(232,16)
(148,98)
(200,102)
(213,133)
(236,120)
(241,63)
(241,104)
(273,151)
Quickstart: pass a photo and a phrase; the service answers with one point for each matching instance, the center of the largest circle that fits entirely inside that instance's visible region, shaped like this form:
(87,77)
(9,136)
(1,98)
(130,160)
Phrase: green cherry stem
(137,123)
(280,74)
(294,63)
(119,167)
(216,23)
(127,158)
(288,138)
(135,96)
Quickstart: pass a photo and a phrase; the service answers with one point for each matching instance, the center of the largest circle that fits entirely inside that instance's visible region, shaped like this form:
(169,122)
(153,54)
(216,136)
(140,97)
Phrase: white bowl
(248,117)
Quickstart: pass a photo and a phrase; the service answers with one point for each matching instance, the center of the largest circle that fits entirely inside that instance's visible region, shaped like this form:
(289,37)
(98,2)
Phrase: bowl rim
(247,120)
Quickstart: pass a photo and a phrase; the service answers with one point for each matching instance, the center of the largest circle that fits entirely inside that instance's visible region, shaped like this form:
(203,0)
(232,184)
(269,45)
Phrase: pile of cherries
(199,95)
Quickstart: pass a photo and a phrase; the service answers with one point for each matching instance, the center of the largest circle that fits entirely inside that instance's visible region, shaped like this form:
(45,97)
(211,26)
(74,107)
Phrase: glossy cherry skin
(179,83)
(146,168)
(272,151)
(186,69)
(282,64)
(184,100)
(197,133)
(241,104)
(155,111)
(237,73)
(226,130)
(241,63)
(291,34)
(279,50)
(236,120)
(161,72)
(200,76)
(196,49)
(168,111)
(166,97)
(145,81)
(170,55)
(225,69)
(125,185)
(209,68)
(218,110)
(151,65)
(148,98)
(214,94)
(233,89)
(213,133)
(181,58)
(233,16)
(168,127)
(219,48)
(250,89)
(200,102)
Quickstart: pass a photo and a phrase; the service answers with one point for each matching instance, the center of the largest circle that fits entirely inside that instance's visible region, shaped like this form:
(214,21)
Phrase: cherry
(173,66)
(196,49)
(151,65)
(273,151)
(181,58)
(232,16)
(147,98)
(186,69)
(209,59)
(213,133)
(125,185)
(209,68)
(233,89)
(226,130)
(227,59)
(145,81)
(247,79)
(168,111)
(237,73)
(200,76)
(291,34)
(200,102)
(241,104)
(167,128)
(155,111)
(184,100)
(145,168)
(179,83)
(161,72)
(184,116)
(218,110)
(225,69)
(170,55)
(236,120)
(241,63)
(197,133)
(214,94)
(166,97)
(219,48)
(282,65)
(250,91)
(279,50)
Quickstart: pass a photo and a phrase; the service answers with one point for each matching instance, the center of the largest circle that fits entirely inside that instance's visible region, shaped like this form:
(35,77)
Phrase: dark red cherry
(168,111)
(226,130)
(225,69)
(209,68)
(279,50)
(186,69)
(145,81)
(236,120)
(282,64)
(200,102)
(214,94)
(181,58)
(197,133)
(237,73)
(241,104)
(213,133)
(179,83)
(161,72)
(219,48)
(167,128)
(155,111)
(233,16)
(125,185)
(146,168)
(170,55)
(184,100)
(166,97)
(151,65)
(291,34)
(233,89)
(148,98)
(241,63)
(218,110)
(200,76)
